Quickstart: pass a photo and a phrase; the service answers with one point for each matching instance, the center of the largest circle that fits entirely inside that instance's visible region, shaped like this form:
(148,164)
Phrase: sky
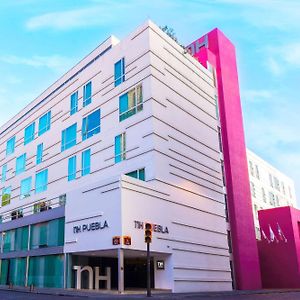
(42,39)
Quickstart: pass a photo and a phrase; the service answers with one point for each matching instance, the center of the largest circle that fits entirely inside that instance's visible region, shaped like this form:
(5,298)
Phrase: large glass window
(120,147)
(4,173)
(138,174)
(74,103)
(87,94)
(91,125)
(44,123)
(41,181)
(25,189)
(47,234)
(86,162)
(72,168)
(10,146)
(39,153)
(130,103)
(13,271)
(46,271)
(15,239)
(29,133)
(6,195)
(119,71)
(68,137)
(20,164)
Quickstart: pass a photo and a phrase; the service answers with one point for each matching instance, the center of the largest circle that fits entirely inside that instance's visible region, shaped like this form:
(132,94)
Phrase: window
(277,201)
(86,162)
(4,173)
(25,189)
(91,125)
(253,189)
(271,180)
(41,206)
(16,214)
(120,71)
(20,164)
(87,94)
(44,123)
(10,146)
(41,181)
(6,195)
(74,103)
(251,167)
(272,198)
(68,137)
(138,174)
(276,184)
(131,103)
(39,153)
(263,194)
(72,168)
(257,172)
(120,147)
(29,133)
(283,187)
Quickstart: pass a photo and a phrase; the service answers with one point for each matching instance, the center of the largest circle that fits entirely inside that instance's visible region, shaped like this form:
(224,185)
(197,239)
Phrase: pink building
(279,249)
(215,51)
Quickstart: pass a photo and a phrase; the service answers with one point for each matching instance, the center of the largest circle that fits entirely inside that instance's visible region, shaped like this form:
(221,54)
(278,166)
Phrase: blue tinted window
(39,153)
(41,181)
(74,103)
(86,162)
(25,189)
(119,71)
(138,174)
(91,125)
(68,137)
(10,146)
(20,164)
(131,103)
(120,147)
(4,173)
(29,133)
(72,168)
(44,123)
(87,94)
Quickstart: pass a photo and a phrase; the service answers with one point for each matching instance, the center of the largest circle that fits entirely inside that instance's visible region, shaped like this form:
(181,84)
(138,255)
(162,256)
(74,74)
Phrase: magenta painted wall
(280,261)
(220,53)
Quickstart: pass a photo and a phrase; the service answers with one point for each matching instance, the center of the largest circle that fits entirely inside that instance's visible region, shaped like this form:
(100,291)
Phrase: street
(259,295)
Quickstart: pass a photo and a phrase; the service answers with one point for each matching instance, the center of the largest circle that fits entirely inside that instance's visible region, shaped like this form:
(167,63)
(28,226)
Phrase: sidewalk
(138,294)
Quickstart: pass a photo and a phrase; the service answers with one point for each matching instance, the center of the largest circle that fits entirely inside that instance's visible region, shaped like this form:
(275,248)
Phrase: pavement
(61,294)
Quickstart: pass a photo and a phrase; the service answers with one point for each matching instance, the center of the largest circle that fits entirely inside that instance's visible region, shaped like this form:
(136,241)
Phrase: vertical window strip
(44,123)
(87,94)
(120,147)
(72,168)
(39,153)
(20,164)
(10,146)
(4,173)
(86,162)
(25,189)
(29,133)
(74,103)
(119,71)
(41,181)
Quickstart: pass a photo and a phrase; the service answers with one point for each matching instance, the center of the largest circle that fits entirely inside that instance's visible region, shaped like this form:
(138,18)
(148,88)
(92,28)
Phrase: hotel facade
(135,132)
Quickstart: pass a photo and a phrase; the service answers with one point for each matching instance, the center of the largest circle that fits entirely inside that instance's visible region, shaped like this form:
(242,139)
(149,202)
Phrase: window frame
(21,169)
(65,144)
(118,79)
(86,169)
(85,131)
(120,155)
(87,100)
(47,126)
(43,187)
(72,161)
(74,108)
(31,129)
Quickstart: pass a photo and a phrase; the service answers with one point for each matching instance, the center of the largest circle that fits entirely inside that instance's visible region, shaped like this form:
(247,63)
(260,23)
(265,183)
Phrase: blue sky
(41,39)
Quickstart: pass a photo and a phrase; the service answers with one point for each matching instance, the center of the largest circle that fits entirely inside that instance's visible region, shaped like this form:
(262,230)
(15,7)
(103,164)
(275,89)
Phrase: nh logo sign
(91,272)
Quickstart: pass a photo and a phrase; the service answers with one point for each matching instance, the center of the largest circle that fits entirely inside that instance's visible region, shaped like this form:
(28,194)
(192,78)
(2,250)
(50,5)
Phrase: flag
(281,234)
(264,236)
(272,235)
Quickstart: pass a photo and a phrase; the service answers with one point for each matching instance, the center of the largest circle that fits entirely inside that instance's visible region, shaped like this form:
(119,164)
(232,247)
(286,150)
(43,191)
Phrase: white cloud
(54,62)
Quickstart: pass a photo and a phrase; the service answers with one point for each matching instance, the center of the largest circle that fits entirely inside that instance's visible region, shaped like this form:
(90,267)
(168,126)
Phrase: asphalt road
(290,295)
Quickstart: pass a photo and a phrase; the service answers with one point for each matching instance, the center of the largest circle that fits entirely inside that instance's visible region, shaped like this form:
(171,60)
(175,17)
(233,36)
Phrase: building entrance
(135,273)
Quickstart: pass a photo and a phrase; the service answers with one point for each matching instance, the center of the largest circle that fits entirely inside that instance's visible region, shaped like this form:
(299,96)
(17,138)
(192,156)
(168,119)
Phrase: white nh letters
(106,277)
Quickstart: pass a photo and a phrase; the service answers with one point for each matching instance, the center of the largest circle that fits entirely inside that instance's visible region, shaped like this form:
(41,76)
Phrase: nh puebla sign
(155,227)
(90,227)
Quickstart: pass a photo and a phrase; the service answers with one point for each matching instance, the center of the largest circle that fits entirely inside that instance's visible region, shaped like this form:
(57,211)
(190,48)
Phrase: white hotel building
(128,135)
(269,187)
